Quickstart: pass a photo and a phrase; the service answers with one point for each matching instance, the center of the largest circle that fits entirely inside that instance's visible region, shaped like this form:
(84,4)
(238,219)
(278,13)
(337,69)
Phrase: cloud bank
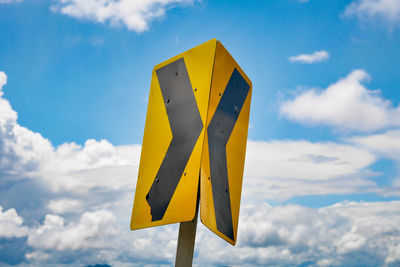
(345,234)
(91,231)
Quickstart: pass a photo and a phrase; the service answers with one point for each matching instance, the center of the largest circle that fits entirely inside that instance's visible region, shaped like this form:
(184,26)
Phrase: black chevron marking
(186,126)
(219,131)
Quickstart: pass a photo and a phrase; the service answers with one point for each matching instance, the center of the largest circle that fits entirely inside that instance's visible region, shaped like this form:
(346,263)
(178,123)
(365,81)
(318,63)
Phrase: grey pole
(186,240)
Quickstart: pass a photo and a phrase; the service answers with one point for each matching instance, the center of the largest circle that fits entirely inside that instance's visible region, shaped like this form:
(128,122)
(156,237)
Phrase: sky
(321,183)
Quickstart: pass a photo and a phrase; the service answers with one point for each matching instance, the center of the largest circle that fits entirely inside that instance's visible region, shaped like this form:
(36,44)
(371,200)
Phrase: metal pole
(186,240)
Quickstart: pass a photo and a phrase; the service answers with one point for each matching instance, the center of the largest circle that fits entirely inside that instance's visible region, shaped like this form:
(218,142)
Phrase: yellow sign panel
(196,129)
(224,146)
(167,185)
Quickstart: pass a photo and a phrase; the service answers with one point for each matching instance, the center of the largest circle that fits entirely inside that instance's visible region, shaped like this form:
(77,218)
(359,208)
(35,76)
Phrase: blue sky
(322,176)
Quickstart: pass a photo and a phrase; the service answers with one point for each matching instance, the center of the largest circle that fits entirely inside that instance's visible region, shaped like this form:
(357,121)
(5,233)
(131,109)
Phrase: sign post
(196,126)
(186,241)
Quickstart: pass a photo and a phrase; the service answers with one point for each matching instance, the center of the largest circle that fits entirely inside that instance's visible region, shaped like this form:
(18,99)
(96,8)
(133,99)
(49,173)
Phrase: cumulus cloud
(346,104)
(11,224)
(91,231)
(64,205)
(135,15)
(97,164)
(315,57)
(384,10)
(345,234)
(101,236)
(20,149)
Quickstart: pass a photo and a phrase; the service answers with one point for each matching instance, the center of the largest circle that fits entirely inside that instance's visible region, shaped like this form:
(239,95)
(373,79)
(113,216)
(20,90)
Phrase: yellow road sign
(224,146)
(196,128)
(167,185)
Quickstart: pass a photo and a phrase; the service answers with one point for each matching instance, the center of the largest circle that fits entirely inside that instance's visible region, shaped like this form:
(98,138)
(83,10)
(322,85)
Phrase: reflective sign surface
(224,146)
(167,185)
(196,129)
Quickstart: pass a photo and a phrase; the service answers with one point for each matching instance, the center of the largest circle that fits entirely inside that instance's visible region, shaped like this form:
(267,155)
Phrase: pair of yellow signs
(195,132)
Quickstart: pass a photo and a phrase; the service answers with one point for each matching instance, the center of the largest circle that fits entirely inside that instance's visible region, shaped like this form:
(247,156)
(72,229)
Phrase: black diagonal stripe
(186,125)
(219,131)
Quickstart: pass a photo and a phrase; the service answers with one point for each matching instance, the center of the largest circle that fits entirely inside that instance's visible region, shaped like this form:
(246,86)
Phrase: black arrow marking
(186,126)
(219,131)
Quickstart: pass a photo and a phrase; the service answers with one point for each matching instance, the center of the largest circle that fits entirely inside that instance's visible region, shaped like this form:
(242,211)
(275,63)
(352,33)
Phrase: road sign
(167,185)
(196,128)
(224,146)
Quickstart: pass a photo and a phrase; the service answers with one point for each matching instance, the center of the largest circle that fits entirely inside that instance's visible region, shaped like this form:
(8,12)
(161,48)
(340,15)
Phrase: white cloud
(384,10)
(105,239)
(90,232)
(20,149)
(304,160)
(284,169)
(3,81)
(385,145)
(97,164)
(315,57)
(11,224)
(64,205)
(37,255)
(135,15)
(345,234)
(346,104)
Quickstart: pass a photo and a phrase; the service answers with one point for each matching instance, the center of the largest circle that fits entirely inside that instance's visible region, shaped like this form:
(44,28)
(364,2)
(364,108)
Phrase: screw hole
(184,174)
(167,100)
(195,89)
(226,190)
(219,94)
(157,180)
(209,178)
